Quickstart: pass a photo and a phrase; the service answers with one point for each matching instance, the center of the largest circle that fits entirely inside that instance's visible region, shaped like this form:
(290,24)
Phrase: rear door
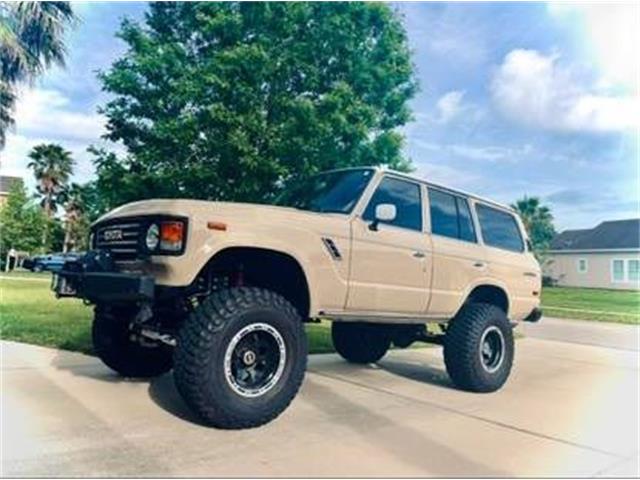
(390,266)
(458,258)
(508,258)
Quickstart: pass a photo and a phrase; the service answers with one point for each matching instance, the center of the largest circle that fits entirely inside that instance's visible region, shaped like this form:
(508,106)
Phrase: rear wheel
(360,342)
(116,346)
(479,348)
(241,357)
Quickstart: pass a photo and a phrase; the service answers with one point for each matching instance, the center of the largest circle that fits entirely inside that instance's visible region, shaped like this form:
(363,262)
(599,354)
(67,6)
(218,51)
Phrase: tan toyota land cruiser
(220,291)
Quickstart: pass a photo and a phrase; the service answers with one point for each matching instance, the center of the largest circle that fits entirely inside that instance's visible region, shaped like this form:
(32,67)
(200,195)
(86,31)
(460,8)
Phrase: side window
(450,216)
(464,221)
(499,229)
(405,196)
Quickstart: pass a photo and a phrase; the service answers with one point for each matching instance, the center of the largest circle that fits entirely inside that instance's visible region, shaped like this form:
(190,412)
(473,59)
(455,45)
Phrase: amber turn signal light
(217,226)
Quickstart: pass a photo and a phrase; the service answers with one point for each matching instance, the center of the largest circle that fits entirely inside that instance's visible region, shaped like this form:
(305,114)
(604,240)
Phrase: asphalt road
(569,409)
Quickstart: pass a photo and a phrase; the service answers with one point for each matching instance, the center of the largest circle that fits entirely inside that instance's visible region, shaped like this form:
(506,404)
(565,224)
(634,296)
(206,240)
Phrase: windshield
(332,192)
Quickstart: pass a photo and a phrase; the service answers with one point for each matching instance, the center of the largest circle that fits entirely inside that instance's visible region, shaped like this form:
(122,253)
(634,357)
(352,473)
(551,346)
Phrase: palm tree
(76,222)
(52,166)
(537,220)
(31,40)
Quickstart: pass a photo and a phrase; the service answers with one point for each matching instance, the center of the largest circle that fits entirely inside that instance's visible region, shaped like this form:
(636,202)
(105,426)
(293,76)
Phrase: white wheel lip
(231,381)
(494,369)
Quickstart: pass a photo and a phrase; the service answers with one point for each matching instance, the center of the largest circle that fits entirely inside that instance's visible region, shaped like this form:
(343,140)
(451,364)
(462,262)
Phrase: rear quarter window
(499,229)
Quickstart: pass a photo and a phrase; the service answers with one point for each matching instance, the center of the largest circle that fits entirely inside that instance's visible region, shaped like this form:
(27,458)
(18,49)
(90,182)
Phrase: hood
(212,210)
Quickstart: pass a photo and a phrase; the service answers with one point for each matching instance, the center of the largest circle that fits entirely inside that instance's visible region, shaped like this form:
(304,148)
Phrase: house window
(633,270)
(582,265)
(617,270)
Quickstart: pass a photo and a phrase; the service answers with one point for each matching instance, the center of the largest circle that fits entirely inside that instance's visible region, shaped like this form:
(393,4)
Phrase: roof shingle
(612,234)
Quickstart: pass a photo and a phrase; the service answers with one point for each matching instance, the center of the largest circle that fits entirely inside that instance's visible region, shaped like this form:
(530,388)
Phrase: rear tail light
(171,236)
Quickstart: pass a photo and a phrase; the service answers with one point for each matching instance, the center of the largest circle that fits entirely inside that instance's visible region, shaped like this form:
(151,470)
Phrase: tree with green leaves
(31,40)
(538,221)
(22,222)
(226,100)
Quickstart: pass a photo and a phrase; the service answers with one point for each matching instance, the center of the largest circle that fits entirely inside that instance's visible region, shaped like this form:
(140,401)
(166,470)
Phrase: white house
(607,256)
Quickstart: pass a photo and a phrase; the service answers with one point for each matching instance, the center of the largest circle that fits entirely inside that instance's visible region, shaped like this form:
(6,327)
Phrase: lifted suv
(221,291)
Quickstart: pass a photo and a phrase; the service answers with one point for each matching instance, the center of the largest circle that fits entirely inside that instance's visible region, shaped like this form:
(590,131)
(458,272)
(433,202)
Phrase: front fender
(326,277)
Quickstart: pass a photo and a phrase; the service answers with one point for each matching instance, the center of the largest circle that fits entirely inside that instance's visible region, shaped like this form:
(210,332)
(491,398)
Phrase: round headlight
(153,236)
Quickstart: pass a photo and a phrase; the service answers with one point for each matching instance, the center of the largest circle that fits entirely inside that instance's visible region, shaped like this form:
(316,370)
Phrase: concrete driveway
(568,410)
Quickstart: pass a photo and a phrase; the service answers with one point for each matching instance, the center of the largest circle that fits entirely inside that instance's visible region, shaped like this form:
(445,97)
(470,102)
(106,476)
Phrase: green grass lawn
(618,306)
(30,313)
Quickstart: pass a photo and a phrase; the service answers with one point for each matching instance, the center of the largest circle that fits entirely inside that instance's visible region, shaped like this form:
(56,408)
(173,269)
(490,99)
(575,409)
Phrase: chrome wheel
(492,349)
(254,360)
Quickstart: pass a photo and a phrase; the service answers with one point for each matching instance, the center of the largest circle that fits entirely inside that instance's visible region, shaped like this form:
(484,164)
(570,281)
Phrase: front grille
(122,238)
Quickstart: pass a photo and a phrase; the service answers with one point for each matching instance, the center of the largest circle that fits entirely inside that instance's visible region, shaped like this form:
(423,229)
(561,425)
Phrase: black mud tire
(463,355)
(113,345)
(199,372)
(359,342)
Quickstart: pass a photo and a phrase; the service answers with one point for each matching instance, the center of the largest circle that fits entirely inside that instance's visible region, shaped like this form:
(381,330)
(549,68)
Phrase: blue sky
(515,98)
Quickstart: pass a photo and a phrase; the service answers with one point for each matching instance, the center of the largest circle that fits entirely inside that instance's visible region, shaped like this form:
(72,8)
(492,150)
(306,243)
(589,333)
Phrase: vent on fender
(331,247)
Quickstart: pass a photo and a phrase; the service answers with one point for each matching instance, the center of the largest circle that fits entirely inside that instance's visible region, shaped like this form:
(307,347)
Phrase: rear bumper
(93,278)
(534,316)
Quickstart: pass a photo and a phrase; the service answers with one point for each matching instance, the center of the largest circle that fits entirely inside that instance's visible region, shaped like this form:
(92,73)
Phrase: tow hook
(142,331)
(165,338)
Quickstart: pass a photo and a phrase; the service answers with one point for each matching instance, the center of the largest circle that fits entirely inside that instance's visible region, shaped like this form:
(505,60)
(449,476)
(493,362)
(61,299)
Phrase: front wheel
(478,348)
(241,357)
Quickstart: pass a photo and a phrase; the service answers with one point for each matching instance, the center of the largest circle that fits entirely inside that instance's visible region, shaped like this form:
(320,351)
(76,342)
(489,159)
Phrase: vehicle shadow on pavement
(162,390)
(91,368)
(164,394)
(422,372)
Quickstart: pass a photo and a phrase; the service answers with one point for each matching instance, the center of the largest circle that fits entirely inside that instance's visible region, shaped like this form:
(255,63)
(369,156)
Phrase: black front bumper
(95,278)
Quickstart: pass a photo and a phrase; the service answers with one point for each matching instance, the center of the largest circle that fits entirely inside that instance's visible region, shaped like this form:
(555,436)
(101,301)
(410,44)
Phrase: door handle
(419,254)
(530,274)
(479,264)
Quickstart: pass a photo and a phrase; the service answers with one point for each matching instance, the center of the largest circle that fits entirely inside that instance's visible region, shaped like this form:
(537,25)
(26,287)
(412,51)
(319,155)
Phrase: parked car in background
(52,262)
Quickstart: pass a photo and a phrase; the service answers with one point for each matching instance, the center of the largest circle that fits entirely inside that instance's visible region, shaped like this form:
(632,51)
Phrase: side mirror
(385,212)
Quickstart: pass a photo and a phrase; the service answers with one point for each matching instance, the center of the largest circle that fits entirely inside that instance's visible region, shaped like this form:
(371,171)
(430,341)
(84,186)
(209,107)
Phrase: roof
(610,235)
(6,182)
(432,184)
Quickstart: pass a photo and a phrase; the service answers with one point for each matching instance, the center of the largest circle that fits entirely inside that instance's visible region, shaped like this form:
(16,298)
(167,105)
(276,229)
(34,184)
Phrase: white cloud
(444,174)
(537,90)
(488,153)
(449,105)
(46,116)
(14,158)
(611,33)
(47,113)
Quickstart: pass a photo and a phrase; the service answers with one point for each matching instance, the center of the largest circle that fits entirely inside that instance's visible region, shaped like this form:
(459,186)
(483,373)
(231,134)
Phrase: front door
(390,266)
